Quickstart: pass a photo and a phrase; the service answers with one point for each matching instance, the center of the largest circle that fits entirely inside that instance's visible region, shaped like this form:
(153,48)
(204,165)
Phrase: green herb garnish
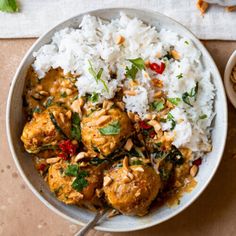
(179,76)
(80,182)
(186,42)
(192,94)
(94,97)
(75,126)
(202,117)
(37,110)
(64,95)
(111,129)
(8,6)
(137,64)
(97,76)
(170,118)
(174,101)
(48,102)
(158,105)
(72,170)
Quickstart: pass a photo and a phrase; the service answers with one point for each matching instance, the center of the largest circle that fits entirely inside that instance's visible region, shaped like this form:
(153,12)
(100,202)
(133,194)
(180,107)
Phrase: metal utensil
(84,230)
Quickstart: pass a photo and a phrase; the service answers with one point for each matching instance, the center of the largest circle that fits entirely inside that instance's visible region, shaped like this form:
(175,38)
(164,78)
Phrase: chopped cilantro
(72,170)
(186,42)
(80,182)
(94,97)
(37,109)
(170,118)
(192,94)
(48,102)
(75,126)
(202,117)
(158,105)
(64,95)
(180,76)
(137,64)
(8,6)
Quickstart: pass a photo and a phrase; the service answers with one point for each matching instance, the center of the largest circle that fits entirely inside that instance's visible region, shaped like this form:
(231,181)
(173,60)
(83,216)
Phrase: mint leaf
(131,72)
(94,97)
(8,6)
(72,170)
(138,62)
(111,129)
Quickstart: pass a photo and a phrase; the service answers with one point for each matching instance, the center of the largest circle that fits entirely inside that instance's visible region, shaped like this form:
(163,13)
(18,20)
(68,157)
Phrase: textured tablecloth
(36,17)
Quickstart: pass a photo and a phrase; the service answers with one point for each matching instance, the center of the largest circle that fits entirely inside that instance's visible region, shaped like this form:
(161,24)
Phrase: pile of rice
(95,41)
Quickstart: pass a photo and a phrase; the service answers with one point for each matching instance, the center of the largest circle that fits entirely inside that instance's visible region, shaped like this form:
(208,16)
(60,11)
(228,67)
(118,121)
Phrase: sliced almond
(148,116)
(69,114)
(157,83)
(131,115)
(44,93)
(129,144)
(126,179)
(137,118)
(193,170)
(107,104)
(53,160)
(62,118)
(175,54)
(80,156)
(113,213)
(139,168)
(126,163)
(120,39)
(102,120)
(100,113)
(130,92)
(106,181)
(121,105)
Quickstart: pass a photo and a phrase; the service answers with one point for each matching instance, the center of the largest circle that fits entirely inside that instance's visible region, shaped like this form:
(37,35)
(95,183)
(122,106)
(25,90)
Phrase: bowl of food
(121,109)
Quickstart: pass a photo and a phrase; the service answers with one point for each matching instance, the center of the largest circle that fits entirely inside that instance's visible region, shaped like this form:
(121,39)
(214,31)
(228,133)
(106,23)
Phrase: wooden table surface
(21,213)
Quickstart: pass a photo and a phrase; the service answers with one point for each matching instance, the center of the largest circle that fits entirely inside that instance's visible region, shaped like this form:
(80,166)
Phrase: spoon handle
(91,223)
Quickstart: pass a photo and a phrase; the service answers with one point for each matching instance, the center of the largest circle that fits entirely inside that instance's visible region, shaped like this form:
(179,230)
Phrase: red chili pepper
(42,167)
(152,134)
(144,125)
(67,147)
(197,162)
(63,156)
(158,69)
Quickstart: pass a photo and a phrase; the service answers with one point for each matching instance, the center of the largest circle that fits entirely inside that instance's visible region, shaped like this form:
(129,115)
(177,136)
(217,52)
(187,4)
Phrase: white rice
(95,41)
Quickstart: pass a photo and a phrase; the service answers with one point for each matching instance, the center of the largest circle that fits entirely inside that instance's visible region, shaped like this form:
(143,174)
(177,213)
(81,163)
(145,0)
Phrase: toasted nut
(202,6)
(75,142)
(126,163)
(76,194)
(107,104)
(106,181)
(193,170)
(148,116)
(121,105)
(157,83)
(130,115)
(136,118)
(112,145)
(99,192)
(130,92)
(133,83)
(100,113)
(152,122)
(231,8)
(126,179)
(80,156)
(39,87)
(101,141)
(62,118)
(158,94)
(112,213)
(75,106)
(35,141)
(130,175)
(120,39)
(146,75)
(129,144)
(169,104)
(137,127)
(69,114)
(139,168)
(53,160)
(147,63)
(138,193)
(102,120)
(68,91)
(175,54)
(158,55)
(44,93)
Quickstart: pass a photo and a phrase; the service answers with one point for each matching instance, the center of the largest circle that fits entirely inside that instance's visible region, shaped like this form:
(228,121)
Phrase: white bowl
(228,84)
(15,121)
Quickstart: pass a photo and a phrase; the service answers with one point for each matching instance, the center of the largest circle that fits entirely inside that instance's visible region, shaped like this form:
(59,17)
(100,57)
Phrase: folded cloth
(35,17)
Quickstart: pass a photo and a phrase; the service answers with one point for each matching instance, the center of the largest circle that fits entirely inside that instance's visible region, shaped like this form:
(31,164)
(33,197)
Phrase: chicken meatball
(46,128)
(103,130)
(131,190)
(70,189)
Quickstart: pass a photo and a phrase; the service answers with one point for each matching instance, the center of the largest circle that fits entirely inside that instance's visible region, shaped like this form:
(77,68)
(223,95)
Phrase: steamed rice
(95,41)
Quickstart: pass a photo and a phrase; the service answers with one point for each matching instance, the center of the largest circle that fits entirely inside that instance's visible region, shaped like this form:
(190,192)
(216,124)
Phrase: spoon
(84,230)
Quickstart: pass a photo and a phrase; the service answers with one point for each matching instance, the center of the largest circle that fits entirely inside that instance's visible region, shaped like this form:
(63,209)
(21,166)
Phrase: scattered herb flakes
(186,42)
(94,97)
(96,161)
(48,102)
(80,182)
(202,117)
(179,76)
(111,129)
(192,94)
(136,162)
(170,118)
(75,126)
(137,64)
(72,170)
(64,95)
(57,127)
(158,105)
(97,76)
(174,101)
(37,109)
(9,6)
